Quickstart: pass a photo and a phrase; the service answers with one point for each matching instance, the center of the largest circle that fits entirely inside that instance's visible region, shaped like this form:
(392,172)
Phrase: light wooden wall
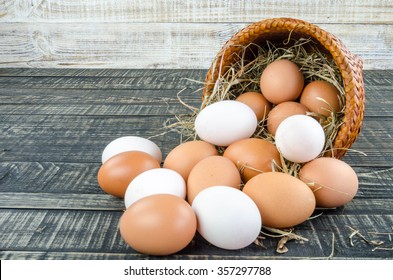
(172,34)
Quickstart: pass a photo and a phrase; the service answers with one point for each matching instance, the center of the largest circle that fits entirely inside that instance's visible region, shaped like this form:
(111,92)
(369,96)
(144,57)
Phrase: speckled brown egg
(282,80)
(159,224)
(117,172)
(321,97)
(283,200)
(333,181)
(253,156)
(212,171)
(282,111)
(257,102)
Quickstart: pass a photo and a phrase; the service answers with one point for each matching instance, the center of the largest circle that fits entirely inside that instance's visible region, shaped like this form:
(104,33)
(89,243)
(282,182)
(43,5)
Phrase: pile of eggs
(227,196)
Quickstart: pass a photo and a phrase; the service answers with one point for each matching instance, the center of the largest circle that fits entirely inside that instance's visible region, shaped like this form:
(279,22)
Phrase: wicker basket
(279,29)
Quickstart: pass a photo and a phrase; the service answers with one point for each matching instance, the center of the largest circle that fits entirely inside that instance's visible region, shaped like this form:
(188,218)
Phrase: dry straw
(277,34)
(238,67)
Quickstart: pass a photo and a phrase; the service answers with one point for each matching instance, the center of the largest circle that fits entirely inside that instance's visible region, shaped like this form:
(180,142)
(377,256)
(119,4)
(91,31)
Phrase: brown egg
(253,156)
(283,200)
(212,171)
(281,81)
(117,172)
(282,111)
(184,156)
(321,97)
(257,102)
(159,224)
(333,181)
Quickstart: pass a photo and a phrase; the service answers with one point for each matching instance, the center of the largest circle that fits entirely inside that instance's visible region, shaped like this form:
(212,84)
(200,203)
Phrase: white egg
(300,138)
(227,217)
(155,181)
(131,143)
(224,122)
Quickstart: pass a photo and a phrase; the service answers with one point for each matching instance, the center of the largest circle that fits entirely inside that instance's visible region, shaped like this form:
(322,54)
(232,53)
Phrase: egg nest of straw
(244,75)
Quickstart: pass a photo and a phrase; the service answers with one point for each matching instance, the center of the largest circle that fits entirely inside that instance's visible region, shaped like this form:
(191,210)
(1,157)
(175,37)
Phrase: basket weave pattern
(350,67)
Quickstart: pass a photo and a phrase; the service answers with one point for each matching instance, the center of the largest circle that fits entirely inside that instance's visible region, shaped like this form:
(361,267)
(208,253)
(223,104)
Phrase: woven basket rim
(349,64)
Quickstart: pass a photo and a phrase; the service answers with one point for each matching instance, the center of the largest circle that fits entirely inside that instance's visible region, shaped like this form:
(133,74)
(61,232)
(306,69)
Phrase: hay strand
(244,75)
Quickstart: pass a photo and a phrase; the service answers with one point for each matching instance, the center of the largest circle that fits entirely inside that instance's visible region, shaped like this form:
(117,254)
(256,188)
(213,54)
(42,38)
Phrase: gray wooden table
(54,124)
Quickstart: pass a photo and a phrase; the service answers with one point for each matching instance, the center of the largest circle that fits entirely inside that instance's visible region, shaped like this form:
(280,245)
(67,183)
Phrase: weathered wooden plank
(96,86)
(63,255)
(60,230)
(375,182)
(52,208)
(58,178)
(378,83)
(139,75)
(15,80)
(132,102)
(373,145)
(63,201)
(90,231)
(12,97)
(362,204)
(158,107)
(105,45)
(196,11)
(341,227)
(43,91)
(38,136)
(45,255)
(40,86)
(79,141)
(48,177)
(111,99)
(135,102)
(378,78)
(156,45)
(47,77)
(371,77)
(143,80)
(131,106)
(81,138)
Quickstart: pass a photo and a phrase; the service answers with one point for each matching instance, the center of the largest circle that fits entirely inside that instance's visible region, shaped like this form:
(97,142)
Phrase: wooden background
(172,34)
(55,123)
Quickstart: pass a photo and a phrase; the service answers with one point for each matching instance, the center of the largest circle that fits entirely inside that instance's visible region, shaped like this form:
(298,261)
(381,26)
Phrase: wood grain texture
(87,231)
(105,202)
(156,45)
(97,232)
(57,137)
(361,11)
(54,124)
(96,79)
(172,34)
(54,179)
